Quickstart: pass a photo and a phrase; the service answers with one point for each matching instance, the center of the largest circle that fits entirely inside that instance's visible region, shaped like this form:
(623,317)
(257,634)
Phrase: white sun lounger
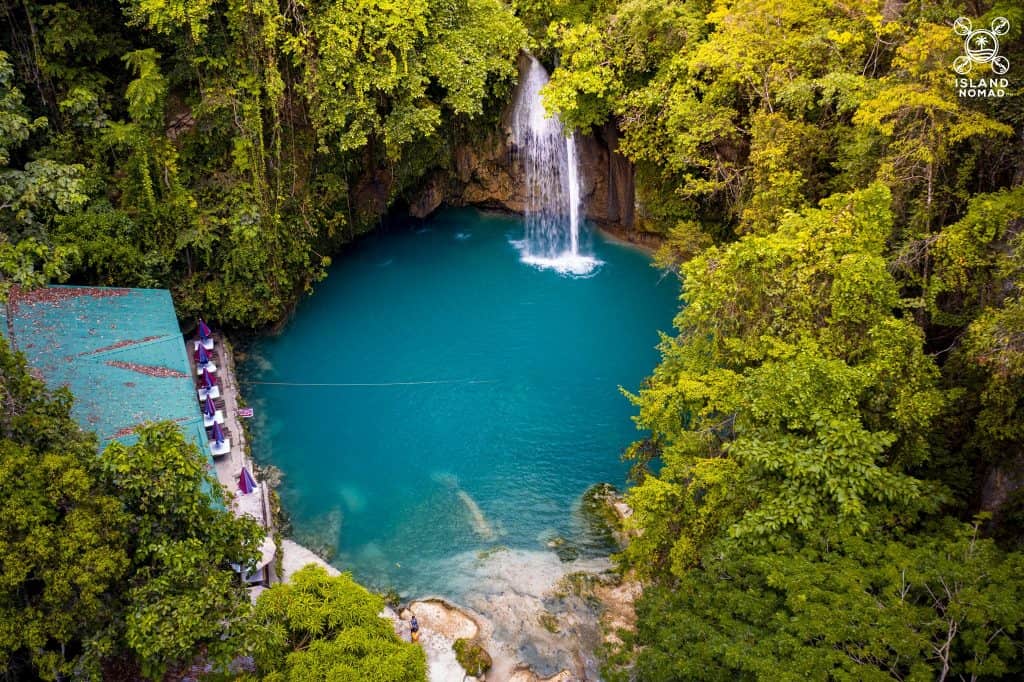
(211,393)
(222,449)
(218,418)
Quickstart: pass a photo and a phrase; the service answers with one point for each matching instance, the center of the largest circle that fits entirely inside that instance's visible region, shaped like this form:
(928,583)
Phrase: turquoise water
(480,400)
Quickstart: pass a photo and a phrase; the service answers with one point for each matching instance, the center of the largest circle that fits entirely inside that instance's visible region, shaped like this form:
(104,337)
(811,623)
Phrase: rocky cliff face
(1001,483)
(487,174)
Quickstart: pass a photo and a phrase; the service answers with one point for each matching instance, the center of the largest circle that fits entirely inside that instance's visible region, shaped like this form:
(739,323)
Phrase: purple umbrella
(208,380)
(204,331)
(218,434)
(210,408)
(246,483)
(203,356)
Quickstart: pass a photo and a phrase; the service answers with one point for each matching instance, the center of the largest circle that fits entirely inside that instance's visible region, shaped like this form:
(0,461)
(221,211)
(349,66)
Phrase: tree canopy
(223,149)
(320,627)
(120,563)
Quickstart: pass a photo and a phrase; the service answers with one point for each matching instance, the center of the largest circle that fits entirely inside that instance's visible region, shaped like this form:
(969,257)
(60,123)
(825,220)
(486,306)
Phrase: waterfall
(551,175)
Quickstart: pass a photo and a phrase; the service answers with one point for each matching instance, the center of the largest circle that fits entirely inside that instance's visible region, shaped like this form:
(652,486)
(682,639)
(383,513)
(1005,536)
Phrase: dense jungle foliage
(829,488)
(225,149)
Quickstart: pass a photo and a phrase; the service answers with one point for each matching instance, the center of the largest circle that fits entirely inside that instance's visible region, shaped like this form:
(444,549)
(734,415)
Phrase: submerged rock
(526,621)
(295,557)
(480,524)
(550,622)
(565,550)
(321,534)
(527,675)
(532,616)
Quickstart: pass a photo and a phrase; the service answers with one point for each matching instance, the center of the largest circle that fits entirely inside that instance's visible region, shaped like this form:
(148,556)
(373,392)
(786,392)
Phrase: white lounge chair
(209,367)
(207,344)
(211,393)
(222,449)
(218,418)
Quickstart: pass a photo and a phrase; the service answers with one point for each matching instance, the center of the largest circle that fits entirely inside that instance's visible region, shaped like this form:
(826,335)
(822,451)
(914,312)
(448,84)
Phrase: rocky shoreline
(543,619)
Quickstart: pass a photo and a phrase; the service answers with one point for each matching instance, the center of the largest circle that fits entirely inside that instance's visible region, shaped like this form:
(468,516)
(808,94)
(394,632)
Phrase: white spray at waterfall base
(552,176)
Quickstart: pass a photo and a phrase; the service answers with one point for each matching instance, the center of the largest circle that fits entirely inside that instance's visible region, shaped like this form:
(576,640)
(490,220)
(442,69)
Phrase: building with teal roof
(119,351)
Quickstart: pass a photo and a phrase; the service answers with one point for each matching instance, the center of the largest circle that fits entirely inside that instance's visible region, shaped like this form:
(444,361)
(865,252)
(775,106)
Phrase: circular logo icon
(981,46)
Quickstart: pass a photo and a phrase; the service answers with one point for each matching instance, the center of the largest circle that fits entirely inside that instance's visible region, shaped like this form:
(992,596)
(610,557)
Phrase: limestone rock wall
(487,174)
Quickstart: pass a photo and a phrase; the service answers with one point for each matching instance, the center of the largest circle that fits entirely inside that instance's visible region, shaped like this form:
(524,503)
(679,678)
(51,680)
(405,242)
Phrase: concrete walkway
(297,557)
(229,467)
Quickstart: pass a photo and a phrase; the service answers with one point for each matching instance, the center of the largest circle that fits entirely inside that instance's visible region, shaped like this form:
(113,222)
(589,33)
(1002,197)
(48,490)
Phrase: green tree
(921,121)
(303,103)
(42,188)
(30,197)
(62,533)
(320,627)
(181,591)
(225,149)
(794,396)
(944,604)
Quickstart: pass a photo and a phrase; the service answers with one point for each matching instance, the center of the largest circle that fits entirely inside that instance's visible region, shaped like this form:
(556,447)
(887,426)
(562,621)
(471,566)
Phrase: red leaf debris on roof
(160,372)
(120,344)
(126,431)
(19,296)
(129,430)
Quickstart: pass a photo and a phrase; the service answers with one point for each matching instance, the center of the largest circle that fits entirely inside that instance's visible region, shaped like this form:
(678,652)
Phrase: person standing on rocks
(414,629)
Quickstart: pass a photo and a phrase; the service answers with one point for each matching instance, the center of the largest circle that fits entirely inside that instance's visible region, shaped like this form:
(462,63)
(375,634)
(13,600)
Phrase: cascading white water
(551,170)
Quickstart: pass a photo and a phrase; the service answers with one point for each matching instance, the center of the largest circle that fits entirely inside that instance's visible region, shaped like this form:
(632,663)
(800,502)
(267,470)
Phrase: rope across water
(367,384)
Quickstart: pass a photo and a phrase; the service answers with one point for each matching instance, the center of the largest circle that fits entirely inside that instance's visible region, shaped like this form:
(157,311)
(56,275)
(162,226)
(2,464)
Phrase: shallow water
(438,398)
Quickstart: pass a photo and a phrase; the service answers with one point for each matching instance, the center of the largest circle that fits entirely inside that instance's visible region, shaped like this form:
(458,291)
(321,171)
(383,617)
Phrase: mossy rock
(549,622)
(391,597)
(485,554)
(597,507)
(565,550)
(568,553)
(584,585)
(471,655)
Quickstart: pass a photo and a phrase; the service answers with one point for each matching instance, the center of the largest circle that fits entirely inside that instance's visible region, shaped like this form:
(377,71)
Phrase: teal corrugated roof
(120,351)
